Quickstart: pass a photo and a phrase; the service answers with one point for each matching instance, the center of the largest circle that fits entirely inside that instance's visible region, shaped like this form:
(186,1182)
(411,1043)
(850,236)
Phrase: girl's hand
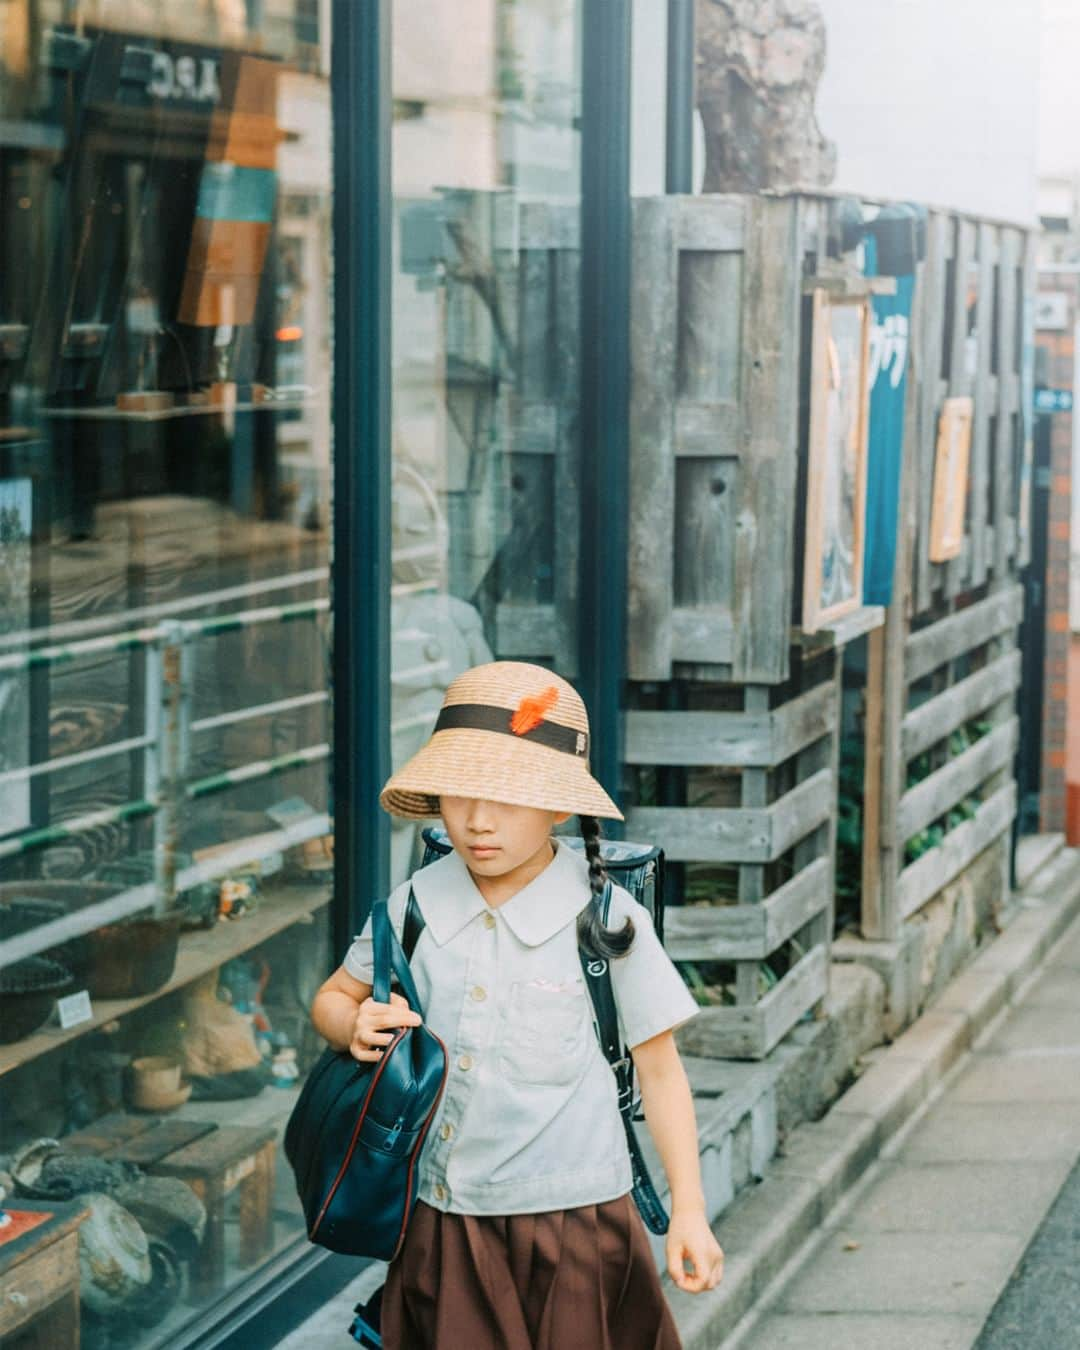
(370,1031)
(690,1240)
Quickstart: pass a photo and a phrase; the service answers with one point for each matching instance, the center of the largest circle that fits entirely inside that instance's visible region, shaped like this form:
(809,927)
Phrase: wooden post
(873,717)
(755,795)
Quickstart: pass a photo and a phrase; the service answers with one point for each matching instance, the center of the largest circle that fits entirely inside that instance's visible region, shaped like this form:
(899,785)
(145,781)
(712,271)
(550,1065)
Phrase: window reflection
(485,303)
(165,846)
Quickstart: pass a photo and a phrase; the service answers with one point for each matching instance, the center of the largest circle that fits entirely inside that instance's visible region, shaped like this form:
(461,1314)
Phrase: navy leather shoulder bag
(356,1133)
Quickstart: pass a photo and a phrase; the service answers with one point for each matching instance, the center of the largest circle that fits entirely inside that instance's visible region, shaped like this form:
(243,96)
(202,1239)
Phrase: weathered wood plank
(735,834)
(985,399)
(716,932)
(751,1032)
(922,880)
(802,721)
(710,287)
(802,810)
(1008,299)
(945,641)
(731,739)
(704,834)
(961,379)
(702,635)
(755,795)
(805,984)
(939,717)
(705,497)
(929,800)
(748,932)
(873,771)
(653,351)
(769,394)
(710,224)
(808,894)
(706,430)
(927,365)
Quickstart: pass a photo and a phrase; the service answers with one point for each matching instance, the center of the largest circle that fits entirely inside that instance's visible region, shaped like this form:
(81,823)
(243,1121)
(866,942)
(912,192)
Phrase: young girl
(525,1235)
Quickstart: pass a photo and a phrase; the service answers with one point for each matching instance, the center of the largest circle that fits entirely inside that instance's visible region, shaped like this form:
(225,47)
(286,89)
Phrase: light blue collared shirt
(529,1120)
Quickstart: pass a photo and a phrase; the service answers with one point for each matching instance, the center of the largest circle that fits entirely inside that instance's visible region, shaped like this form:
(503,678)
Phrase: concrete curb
(823,1160)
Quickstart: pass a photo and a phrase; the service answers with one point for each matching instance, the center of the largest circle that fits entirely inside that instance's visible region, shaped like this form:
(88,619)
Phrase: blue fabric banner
(888,388)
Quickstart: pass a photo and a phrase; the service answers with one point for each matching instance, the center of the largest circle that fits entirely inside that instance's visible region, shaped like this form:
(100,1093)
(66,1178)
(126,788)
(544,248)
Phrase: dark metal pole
(361,101)
(679,178)
(605,375)
(681,59)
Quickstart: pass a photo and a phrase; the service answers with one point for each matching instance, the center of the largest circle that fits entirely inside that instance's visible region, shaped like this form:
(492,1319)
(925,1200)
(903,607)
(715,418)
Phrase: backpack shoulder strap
(602,993)
(414,925)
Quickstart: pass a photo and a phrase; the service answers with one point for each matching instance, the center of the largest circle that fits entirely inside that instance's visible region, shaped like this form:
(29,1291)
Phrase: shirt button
(489,920)
(447,1132)
(440,1192)
(478,994)
(465,1062)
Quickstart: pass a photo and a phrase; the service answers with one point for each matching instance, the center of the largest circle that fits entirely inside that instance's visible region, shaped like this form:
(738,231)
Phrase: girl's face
(495,839)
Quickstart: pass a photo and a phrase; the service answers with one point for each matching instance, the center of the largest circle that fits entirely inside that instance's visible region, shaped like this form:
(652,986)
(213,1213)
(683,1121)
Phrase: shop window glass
(165,849)
(485,327)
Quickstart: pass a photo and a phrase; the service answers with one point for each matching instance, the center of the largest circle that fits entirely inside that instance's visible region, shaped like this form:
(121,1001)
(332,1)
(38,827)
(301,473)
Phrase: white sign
(74,1010)
(1052,310)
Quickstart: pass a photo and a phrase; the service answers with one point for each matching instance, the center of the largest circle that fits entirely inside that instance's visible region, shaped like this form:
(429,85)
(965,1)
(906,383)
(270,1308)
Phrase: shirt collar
(449,898)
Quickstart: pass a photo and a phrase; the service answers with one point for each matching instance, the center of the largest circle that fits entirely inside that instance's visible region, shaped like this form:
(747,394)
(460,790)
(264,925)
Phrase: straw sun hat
(508,732)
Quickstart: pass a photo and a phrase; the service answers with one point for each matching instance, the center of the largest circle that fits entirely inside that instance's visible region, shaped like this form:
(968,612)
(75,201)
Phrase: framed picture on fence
(836,466)
(951,479)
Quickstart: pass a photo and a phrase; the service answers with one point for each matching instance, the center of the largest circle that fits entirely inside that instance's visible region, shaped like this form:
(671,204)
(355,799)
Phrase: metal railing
(167,784)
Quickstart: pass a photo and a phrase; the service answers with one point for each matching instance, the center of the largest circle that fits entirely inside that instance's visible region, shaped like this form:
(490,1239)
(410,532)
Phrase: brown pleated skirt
(575,1279)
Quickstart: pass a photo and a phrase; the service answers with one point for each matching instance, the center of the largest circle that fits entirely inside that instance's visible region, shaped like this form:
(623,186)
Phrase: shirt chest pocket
(545,1033)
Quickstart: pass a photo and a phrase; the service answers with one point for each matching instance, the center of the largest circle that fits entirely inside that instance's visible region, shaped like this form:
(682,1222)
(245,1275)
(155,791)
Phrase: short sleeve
(649,992)
(359,959)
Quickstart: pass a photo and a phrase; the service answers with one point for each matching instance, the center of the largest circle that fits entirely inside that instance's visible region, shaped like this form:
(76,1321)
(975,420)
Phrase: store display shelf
(110,413)
(201,951)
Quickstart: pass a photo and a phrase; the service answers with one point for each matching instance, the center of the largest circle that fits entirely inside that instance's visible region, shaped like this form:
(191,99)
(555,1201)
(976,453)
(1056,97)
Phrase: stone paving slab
(1022,1076)
(1055,989)
(995,1132)
(830,1331)
(1039,1027)
(904,1273)
(960,1197)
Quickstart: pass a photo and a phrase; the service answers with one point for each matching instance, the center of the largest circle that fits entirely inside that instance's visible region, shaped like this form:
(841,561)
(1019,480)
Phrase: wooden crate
(780,836)
(714,436)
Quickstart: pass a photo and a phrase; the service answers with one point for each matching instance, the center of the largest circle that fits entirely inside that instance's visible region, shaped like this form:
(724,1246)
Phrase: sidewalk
(919,1252)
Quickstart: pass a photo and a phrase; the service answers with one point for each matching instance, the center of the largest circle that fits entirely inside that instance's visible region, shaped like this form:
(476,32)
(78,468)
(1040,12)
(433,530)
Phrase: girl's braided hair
(597,940)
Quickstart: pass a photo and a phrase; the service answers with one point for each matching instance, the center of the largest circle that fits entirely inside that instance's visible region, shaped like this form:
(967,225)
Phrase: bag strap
(601,991)
(414,925)
(389,959)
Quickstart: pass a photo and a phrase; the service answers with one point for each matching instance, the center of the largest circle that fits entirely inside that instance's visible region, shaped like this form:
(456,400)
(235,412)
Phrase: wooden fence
(944,671)
(731,708)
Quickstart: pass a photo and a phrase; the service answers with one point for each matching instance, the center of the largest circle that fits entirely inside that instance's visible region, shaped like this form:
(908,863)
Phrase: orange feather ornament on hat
(532,710)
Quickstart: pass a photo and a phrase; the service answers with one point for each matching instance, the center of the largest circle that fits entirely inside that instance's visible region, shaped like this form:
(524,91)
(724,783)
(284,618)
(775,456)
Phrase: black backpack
(639,869)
